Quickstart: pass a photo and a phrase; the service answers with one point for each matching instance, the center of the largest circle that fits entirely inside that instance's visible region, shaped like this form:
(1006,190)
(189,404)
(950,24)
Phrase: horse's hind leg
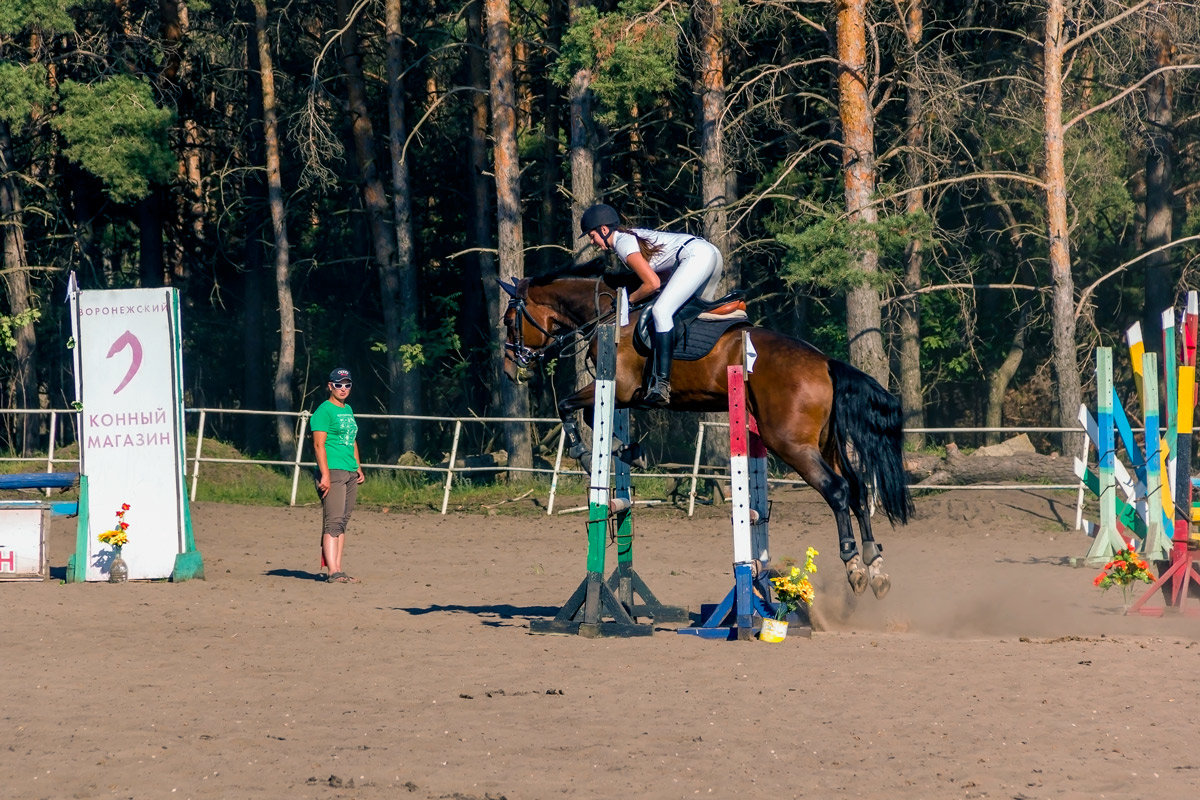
(872,552)
(835,489)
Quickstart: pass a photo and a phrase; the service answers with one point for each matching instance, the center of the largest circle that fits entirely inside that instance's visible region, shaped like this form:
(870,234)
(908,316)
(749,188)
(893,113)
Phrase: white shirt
(625,245)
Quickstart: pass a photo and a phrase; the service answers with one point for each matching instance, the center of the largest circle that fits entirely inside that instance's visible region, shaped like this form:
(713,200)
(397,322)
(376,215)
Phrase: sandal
(341,577)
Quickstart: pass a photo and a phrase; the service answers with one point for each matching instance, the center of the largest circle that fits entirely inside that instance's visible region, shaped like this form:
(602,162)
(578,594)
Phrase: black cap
(597,215)
(340,374)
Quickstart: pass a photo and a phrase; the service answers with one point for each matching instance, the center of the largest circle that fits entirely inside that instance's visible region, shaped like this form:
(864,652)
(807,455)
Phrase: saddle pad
(699,337)
(712,316)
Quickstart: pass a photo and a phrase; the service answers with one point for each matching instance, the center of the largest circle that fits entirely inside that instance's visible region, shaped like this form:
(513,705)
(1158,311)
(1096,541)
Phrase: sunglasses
(345,385)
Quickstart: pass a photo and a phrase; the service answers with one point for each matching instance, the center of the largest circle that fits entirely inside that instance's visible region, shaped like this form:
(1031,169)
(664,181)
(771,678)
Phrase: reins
(557,345)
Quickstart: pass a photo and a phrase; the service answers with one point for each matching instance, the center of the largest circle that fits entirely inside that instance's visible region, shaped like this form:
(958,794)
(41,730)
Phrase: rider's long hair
(648,249)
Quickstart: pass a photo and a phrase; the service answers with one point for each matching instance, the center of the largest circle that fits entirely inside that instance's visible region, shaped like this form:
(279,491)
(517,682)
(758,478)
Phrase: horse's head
(533,330)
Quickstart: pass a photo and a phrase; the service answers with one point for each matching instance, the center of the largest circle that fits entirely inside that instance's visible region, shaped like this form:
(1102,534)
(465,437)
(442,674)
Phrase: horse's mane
(590,270)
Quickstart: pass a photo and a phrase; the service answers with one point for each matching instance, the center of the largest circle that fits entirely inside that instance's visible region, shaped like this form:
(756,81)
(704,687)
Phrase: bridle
(523,355)
(526,357)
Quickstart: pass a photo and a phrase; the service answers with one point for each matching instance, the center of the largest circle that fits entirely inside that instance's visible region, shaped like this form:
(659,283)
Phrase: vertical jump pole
(625,582)
(733,617)
(1108,541)
(584,612)
(1154,543)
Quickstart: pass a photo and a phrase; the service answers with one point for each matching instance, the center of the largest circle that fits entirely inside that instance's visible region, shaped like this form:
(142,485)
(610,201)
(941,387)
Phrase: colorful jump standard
(1183,568)
(733,617)
(597,608)
(1156,508)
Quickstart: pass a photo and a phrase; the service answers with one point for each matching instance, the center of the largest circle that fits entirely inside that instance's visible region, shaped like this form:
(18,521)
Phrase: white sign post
(128,383)
(23,540)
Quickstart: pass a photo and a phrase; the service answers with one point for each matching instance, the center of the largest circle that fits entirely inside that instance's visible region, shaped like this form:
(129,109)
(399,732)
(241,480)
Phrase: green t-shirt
(340,430)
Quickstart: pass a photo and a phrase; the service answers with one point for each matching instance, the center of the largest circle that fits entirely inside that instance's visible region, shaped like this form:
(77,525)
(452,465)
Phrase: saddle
(698,326)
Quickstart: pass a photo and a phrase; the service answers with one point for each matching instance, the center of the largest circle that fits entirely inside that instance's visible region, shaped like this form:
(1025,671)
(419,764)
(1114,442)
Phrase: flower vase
(773,630)
(118,570)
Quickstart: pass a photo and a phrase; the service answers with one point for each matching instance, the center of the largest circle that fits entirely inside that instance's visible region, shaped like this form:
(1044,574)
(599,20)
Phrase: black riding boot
(658,388)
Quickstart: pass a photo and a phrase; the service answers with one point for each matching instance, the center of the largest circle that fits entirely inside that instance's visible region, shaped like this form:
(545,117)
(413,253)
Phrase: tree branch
(1083,296)
(1108,23)
(948,286)
(1126,92)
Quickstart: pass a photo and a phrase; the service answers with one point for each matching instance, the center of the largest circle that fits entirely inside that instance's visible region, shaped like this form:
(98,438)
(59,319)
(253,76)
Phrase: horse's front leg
(576,448)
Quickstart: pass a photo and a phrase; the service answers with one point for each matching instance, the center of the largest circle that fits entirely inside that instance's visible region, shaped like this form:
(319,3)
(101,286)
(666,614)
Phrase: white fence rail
(297,464)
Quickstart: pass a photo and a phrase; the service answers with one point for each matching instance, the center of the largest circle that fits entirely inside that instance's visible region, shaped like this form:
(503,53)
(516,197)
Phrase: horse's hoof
(632,455)
(856,575)
(880,582)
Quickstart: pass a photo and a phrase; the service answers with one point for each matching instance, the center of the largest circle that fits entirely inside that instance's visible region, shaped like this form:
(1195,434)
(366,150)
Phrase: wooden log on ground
(957,469)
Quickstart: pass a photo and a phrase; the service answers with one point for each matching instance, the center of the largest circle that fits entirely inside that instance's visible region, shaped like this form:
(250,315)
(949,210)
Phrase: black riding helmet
(597,215)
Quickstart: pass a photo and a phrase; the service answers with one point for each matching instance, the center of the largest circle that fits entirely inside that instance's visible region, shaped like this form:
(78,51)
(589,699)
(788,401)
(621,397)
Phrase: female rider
(698,268)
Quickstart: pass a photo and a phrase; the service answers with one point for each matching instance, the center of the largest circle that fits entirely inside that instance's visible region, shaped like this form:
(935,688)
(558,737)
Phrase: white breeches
(699,273)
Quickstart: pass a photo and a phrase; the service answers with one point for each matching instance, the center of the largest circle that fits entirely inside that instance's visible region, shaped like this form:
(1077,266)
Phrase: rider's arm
(650,280)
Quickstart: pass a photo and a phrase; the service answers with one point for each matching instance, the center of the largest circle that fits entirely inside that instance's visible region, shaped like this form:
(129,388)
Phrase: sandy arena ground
(992,670)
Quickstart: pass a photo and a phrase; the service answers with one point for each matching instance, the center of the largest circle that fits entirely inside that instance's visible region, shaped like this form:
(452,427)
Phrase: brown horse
(809,407)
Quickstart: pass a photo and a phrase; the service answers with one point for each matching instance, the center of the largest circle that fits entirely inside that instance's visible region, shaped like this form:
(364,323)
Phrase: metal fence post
(196,459)
(299,452)
(696,468)
(562,440)
(50,447)
(450,465)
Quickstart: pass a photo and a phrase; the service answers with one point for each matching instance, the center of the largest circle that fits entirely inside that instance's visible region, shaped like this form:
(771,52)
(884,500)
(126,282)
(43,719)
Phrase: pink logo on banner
(127,339)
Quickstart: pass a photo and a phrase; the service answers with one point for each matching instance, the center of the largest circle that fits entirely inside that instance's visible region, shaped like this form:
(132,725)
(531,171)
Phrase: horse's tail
(872,420)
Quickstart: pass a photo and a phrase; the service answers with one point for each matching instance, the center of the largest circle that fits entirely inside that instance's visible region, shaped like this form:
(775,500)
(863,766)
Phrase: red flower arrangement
(1124,569)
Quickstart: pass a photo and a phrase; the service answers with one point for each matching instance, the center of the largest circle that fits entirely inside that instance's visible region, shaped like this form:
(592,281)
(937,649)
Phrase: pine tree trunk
(999,380)
(285,366)
(508,208)
(711,85)
(714,170)
(407,276)
(583,146)
(1066,365)
(1159,177)
(583,183)
(379,216)
(908,312)
(551,258)
(151,266)
(255,296)
(23,392)
(863,306)
(482,293)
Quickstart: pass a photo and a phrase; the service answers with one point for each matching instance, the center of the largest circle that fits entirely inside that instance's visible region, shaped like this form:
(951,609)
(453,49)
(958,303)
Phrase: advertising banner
(128,387)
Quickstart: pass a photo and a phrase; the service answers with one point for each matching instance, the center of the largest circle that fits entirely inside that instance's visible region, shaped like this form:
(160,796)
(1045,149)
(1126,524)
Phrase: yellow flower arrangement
(117,537)
(1123,569)
(795,588)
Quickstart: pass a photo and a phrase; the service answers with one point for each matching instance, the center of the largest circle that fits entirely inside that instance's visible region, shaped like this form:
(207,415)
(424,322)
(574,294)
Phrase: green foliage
(824,253)
(22,88)
(943,338)
(115,131)
(48,16)
(10,324)
(632,54)
(435,343)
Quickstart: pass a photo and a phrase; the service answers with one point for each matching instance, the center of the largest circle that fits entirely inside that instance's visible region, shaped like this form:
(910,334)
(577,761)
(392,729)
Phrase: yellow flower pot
(773,630)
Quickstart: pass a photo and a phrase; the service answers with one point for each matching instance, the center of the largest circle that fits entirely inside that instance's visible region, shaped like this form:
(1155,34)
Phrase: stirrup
(659,394)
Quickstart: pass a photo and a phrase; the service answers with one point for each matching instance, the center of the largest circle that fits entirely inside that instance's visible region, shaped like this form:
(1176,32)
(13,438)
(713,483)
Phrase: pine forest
(962,199)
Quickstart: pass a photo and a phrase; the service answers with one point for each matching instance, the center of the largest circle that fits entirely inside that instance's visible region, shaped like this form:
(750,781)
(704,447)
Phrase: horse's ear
(509,288)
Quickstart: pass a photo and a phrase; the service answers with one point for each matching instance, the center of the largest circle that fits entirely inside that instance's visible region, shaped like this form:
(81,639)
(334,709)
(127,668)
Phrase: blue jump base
(733,617)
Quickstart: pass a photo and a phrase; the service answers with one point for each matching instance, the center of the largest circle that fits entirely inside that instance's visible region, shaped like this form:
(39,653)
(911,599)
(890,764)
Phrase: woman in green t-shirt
(339,471)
